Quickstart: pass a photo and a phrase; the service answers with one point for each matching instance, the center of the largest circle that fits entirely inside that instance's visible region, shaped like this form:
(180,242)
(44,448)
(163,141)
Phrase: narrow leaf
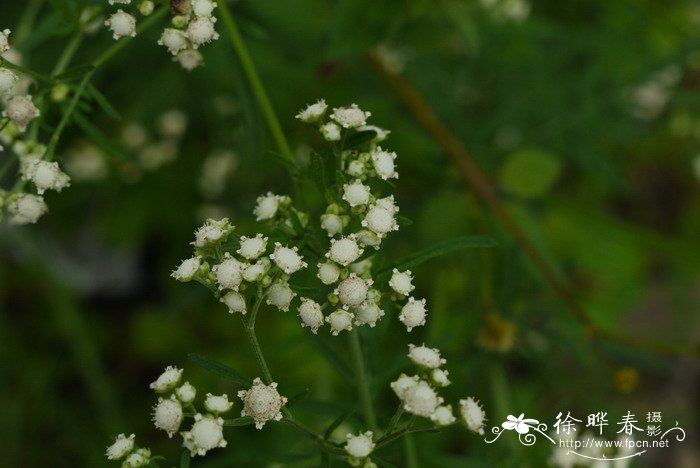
(298,397)
(75,72)
(102,101)
(442,248)
(337,422)
(220,369)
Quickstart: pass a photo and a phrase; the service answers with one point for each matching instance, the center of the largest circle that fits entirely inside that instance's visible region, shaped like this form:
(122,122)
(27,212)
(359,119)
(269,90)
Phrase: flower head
(340,320)
(413,313)
(360,445)
(212,232)
(7,81)
(472,414)
(203,8)
(186,393)
(262,402)
(421,400)
(201,31)
(187,269)
(402,282)
(252,247)
(217,404)
(368,313)
(422,356)
(313,112)
(344,251)
(207,433)
(21,110)
(310,314)
(121,447)
(287,259)
(380,221)
(4,40)
(25,208)
(168,380)
(443,416)
(352,291)
(328,272)
(401,385)
(267,206)
(121,24)
(383,162)
(350,117)
(235,302)
(356,193)
(167,415)
(280,295)
(174,39)
(229,273)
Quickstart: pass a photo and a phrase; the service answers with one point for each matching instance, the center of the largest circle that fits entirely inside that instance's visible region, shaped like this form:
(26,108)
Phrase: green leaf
(332,357)
(220,369)
(337,422)
(242,421)
(286,162)
(403,221)
(102,101)
(185,459)
(100,139)
(442,248)
(298,397)
(75,72)
(530,173)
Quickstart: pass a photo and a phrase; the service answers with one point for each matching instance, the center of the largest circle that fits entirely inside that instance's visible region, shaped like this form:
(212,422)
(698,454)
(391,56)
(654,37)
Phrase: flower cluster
(419,392)
(192,26)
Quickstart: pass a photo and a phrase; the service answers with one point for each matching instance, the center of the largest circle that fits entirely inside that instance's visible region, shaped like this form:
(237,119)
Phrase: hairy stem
(362,381)
(253,339)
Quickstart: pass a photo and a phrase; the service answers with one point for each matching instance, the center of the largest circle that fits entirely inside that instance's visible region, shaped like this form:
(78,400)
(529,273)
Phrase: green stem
(254,79)
(409,447)
(67,54)
(51,147)
(253,339)
(317,438)
(361,377)
(25,23)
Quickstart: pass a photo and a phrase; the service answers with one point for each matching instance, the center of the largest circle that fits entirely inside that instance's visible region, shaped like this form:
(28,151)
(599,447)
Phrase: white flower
(344,251)
(330,131)
(332,223)
(443,416)
(421,400)
(25,208)
(187,269)
(172,123)
(310,314)
(280,295)
(47,176)
(262,402)
(167,415)
(252,247)
(401,282)
(383,162)
(313,112)
(7,80)
(168,380)
(350,117)
(423,356)
(472,414)
(121,24)
(359,446)
(356,168)
(174,39)
(4,41)
(380,221)
(413,314)
(367,238)
(328,272)
(189,59)
(235,302)
(21,110)
(382,134)
(340,320)
(356,194)
(217,403)
(203,8)
(352,291)
(403,383)
(201,31)
(439,377)
(229,272)
(207,433)
(256,271)
(140,457)
(267,206)
(287,259)
(146,7)
(121,447)
(186,393)
(212,232)
(388,204)
(368,313)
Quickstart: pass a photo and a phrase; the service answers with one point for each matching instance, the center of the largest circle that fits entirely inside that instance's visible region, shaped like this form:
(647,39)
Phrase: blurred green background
(585,115)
